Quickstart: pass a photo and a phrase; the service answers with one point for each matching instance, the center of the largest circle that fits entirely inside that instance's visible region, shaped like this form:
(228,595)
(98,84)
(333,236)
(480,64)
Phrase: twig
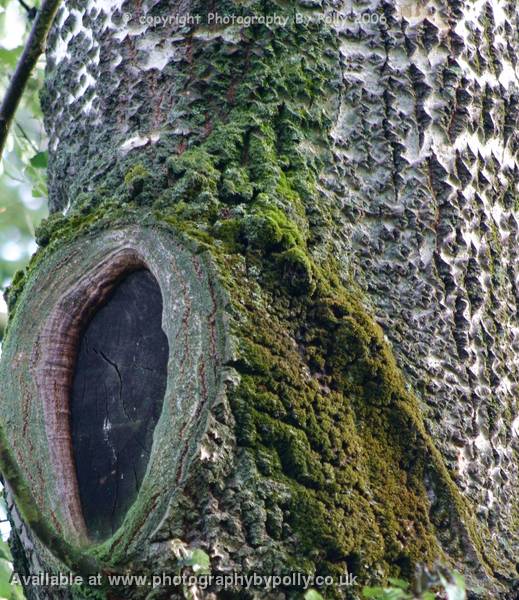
(30,10)
(13,177)
(31,143)
(33,49)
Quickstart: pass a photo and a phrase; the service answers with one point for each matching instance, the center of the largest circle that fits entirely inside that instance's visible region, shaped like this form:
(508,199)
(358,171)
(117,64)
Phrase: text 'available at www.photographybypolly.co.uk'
(231,580)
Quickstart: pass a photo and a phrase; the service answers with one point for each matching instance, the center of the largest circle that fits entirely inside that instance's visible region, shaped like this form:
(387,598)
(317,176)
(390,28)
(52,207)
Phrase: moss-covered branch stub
(323,420)
(38,362)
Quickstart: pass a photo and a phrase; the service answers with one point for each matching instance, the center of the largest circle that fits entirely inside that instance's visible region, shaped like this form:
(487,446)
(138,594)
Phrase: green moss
(371,493)
(84,592)
(194,174)
(135,179)
(13,291)
(296,270)
(262,231)
(236,186)
(268,228)
(47,227)
(230,232)
(347,438)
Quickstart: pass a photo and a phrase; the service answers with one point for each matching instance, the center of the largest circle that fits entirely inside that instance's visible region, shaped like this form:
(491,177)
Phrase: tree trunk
(328,206)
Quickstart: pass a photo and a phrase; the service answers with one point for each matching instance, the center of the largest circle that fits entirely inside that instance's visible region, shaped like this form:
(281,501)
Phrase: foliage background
(22,196)
(22,169)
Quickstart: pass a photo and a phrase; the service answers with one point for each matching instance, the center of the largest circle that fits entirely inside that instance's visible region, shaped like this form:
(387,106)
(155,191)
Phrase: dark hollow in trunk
(116,400)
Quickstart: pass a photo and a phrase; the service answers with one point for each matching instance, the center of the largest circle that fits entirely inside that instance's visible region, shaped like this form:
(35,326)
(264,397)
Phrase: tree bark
(328,204)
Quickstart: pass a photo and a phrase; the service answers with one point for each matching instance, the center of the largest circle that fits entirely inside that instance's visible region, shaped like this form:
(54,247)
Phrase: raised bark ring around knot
(63,291)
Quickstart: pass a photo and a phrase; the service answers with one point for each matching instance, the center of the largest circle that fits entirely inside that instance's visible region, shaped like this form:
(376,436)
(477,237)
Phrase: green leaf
(5,574)
(371,592)
(9,58)
(5,552)
(313,595)
(17,593)
(399,583)
(385,593)
(395,594)
(39,160)
(456,589)
(199,561)
(428,596)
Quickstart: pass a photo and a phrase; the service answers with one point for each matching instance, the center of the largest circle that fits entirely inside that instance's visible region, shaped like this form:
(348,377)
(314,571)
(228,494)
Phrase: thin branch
(13,177)
(32,51)
(22,131)
(30,10)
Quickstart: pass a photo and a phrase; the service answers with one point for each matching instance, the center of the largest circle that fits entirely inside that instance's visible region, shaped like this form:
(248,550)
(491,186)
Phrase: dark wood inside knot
(116,399)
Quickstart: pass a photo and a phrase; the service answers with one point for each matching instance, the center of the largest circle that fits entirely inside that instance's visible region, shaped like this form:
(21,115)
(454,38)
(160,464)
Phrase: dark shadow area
(116,400)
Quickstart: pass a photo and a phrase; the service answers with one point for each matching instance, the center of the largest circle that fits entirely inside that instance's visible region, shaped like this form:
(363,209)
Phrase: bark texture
(351,185)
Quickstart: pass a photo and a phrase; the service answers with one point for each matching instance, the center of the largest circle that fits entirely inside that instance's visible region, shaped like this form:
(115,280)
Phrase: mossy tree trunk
(329,207)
